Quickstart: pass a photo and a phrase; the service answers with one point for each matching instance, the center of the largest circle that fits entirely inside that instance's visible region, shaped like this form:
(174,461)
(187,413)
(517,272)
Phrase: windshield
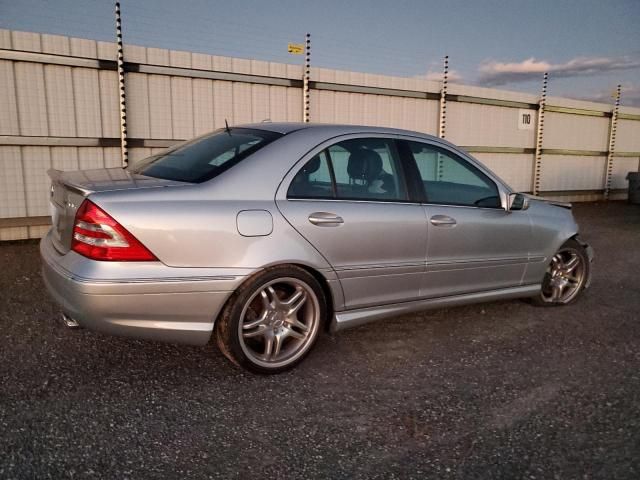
(205,157)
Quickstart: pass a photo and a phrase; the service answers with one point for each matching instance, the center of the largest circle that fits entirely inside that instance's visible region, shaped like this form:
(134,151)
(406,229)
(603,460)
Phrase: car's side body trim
(353,318)
(475,263)
(344,271)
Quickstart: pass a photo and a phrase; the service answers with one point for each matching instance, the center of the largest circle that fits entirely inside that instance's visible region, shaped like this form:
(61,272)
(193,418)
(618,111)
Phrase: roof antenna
(226,127)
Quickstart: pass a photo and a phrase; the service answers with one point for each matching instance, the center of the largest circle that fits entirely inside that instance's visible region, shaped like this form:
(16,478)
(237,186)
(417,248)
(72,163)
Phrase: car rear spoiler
(57,176)
(54,174)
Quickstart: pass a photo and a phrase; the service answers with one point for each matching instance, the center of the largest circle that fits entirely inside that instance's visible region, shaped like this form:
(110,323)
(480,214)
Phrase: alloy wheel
(565,276)
(279,322)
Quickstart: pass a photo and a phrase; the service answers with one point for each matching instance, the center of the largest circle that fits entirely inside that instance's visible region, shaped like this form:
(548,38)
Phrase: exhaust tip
(69,322)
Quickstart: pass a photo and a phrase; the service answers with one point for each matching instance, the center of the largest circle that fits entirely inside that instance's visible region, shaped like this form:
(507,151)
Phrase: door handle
(325,219)
(442,221)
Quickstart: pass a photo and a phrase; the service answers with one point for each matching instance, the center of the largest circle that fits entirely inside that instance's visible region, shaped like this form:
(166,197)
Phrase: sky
(587,46)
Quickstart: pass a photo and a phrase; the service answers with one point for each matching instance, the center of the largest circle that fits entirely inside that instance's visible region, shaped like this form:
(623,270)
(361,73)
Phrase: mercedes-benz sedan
(263,236)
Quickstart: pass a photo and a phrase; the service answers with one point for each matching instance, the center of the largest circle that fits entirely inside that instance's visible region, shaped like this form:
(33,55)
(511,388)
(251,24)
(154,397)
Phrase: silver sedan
(263,236)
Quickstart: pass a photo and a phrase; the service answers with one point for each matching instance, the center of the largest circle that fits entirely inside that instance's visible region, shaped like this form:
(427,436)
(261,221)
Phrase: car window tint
(313,180)
(204,157)
(367,168)
(451,180)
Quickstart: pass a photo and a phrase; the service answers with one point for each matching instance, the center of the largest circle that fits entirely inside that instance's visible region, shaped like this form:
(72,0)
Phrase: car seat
(368,176)
(301,185)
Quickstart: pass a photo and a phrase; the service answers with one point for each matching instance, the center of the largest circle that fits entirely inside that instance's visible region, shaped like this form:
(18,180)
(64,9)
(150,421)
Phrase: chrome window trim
(499,209)
(348,200)
(386,202)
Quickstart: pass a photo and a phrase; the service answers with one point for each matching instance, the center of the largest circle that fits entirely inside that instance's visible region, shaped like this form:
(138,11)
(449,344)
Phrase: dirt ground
(501,390)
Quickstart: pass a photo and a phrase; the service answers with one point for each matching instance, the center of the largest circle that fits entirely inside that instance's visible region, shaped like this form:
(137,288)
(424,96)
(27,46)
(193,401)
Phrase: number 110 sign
(526,119)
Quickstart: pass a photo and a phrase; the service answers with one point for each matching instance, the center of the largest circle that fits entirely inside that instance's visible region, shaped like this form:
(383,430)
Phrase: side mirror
(517,201)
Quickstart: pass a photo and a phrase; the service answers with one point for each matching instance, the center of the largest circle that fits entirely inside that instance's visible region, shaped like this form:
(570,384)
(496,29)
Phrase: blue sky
(589,46)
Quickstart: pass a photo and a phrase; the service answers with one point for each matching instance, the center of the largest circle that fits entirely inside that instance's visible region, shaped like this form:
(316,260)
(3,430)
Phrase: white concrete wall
(49,99)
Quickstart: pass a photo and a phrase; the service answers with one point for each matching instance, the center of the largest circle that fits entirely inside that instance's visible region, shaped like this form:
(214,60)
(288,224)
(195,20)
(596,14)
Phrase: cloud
(630,95)
(494,73)
(453,76)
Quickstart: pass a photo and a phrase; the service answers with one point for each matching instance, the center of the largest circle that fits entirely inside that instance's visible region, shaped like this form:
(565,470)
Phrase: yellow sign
(296,48)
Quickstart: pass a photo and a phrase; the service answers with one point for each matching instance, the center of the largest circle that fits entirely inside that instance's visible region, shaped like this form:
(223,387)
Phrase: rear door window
(356,169)
(313,180)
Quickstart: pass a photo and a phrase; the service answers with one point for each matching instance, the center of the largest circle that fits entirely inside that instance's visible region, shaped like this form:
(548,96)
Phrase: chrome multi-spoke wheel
(566,275)
(273,321)
(278,322)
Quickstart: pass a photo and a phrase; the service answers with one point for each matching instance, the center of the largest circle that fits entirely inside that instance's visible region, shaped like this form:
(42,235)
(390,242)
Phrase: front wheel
(273,320)
(567,275)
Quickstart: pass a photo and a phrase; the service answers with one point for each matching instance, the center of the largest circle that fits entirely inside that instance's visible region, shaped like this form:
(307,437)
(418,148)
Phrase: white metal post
(443,98)
(537,163)
(123,106)
(612,144)
(305,80)
(443,115)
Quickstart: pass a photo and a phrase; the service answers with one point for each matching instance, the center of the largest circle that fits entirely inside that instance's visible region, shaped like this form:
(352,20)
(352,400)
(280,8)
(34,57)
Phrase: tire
(273,320)
(570,278)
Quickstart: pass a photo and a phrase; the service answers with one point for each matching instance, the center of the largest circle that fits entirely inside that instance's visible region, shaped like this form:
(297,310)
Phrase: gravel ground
(501,390)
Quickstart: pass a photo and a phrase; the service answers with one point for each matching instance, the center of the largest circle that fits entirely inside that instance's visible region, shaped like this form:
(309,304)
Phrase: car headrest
(364,164)
(312,165)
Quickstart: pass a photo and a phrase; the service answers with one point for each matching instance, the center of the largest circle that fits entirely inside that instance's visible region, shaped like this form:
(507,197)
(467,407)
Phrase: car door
(473,243)
(350,202)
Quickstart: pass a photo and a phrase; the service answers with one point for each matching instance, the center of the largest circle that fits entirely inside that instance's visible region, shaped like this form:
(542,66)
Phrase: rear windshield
(205,157)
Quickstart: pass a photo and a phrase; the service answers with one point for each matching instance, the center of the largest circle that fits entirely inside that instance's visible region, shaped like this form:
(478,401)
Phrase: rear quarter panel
(190,227)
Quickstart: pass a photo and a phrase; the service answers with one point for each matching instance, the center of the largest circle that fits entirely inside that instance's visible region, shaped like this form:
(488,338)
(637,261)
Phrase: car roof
(330,129)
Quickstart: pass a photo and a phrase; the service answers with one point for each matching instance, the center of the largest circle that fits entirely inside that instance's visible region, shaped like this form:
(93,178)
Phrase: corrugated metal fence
(59,108)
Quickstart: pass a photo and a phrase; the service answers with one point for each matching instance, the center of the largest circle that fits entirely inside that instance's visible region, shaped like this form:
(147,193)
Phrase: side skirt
(353,318)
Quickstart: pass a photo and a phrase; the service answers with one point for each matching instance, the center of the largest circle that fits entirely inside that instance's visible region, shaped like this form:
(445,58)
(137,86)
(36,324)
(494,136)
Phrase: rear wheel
(273,320)
(566,276)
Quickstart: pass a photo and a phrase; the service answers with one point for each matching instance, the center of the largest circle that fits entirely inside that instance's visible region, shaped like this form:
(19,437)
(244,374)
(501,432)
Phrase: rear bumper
(149,300)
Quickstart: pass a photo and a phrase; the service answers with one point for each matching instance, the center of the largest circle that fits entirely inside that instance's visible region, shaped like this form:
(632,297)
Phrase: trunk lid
(69,189)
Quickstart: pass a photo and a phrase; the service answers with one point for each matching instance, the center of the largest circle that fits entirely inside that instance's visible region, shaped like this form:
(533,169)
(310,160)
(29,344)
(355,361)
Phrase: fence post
(612,145)
(443,116)
(305,80)
(443,99)
(537,163)
(123,106)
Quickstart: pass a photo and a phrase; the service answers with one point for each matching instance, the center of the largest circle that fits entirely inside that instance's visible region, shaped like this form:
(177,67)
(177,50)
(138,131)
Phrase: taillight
(99,236)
